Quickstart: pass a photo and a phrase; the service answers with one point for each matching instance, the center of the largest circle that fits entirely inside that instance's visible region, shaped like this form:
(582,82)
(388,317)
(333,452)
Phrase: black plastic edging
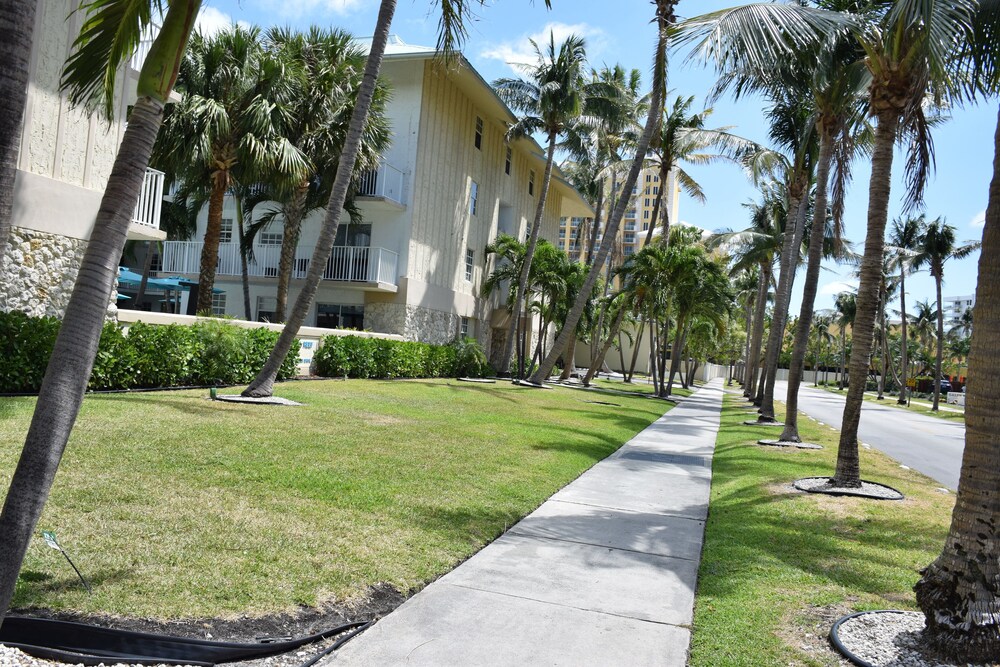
(839,645)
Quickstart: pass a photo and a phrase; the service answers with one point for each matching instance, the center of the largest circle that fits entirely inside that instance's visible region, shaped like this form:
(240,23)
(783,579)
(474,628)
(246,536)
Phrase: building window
(226,231)
(271,234)
(645,215)
(562,233)
(470,261)
(531,183)
(647,202)
(479,133)
(266,306)
(656,178)
(649,177)
(219,303)
(645,226)
(656,190)
(464,327)
(337,316)
(628,250)
(474,198)
(507,160)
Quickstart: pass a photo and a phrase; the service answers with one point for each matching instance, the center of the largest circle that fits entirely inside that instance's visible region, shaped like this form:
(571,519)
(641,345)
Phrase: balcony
(384,184)
(629,226)
(145,224)
(374,268)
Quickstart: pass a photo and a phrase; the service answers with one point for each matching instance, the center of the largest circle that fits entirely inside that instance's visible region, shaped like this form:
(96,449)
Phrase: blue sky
(620,32)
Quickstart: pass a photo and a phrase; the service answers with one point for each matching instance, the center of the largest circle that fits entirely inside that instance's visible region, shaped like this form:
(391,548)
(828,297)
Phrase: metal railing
(145,44)
(147,209)
(346,263)
(386,181)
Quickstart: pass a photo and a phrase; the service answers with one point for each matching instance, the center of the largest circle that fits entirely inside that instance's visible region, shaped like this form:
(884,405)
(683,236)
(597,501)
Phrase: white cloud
(519,53)
(979,221)
(839,286)
(211,21)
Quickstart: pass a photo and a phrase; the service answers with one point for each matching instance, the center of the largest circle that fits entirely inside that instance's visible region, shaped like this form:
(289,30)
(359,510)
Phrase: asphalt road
(928,444)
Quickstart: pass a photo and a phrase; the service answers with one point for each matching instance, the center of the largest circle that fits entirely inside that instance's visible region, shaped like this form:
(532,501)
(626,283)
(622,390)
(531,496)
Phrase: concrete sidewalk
(602,573)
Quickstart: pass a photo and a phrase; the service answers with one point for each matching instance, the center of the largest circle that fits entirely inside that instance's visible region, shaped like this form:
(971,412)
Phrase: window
(531,183)
(470,261)
(562,233)
(635,189)
(474,198)
(645,226)
(507,161)
(645,215)
(629,238)
(226,231)
(656,178)
(337,316)
(562,244)
(266,306)
(647,202)
(656,190)
(219,304)
(479,133)
(464,326)
(628,250)
(271,234)
(649,178)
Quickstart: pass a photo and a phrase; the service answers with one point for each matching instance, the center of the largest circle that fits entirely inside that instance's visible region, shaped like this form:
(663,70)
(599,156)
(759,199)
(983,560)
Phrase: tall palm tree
(551,99)
(846,307)
(923,324)
(111,34)
(909,52)
(903,240)
(664,16)
(958,592)
(324,67)
(822,338)
(229,127)
(451,31)
(17,23)
(937,246)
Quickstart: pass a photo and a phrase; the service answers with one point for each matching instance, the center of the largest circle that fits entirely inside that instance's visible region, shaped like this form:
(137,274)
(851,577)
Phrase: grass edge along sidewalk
(177,507)
(779,566)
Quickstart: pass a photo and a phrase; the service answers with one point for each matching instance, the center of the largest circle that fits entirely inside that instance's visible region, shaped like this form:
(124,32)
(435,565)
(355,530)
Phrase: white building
(955,307)
(63,165)
(448,185)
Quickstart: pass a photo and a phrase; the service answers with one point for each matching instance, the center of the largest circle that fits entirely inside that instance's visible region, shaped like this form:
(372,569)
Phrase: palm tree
(822,338)
(846,307)
(903,240)
(324,67)
(937,246)
(664,17)
(451,31)
(551,99)
(17,23)
(228,128)
(909,53)
(111,34)
(923,323)
(957,592)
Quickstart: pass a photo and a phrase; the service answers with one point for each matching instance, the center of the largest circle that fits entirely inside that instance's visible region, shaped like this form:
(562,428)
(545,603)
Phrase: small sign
(50,539)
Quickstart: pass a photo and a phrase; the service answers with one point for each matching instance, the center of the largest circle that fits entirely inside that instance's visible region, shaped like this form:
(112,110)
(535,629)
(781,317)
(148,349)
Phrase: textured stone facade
(417,323)
(37,273)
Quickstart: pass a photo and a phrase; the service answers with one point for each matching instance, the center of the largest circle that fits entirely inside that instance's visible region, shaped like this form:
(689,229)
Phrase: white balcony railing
(385,182)
(147,209)
(346,263)
(145,44)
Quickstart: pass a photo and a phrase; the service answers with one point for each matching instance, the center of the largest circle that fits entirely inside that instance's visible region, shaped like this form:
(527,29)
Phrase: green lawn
(174,506)
(638,385)
(777,564)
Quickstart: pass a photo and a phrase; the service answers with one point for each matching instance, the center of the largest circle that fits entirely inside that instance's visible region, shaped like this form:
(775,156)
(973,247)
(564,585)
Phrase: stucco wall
(37,273)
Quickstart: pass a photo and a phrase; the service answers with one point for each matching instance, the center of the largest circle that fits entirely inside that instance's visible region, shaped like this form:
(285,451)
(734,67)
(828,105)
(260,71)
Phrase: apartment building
(955,307)
(448,185)
(575,231)
(63,165)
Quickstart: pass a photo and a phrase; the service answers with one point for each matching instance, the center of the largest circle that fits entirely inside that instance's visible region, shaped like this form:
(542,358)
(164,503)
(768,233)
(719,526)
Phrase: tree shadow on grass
(34,588)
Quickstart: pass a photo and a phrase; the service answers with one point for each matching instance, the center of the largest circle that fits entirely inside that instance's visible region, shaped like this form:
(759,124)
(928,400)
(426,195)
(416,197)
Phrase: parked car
(945,385)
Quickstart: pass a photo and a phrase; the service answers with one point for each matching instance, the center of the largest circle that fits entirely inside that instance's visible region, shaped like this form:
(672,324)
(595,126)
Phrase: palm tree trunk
(958,592)
(759,310)
(940,341)
(569,359)
(597,223)
(675,357)
(147,264)
(263,384)
(244,251)
(17,23)
(210,248)
(599,360)
(621,351)
(536,225)
(289,244)
(809,289)
(72,359)
(748,317)
(635,351)
(794,224)
(903,353)
(885,347)
(656,212)
(848,473)
(664,10)
(843,355)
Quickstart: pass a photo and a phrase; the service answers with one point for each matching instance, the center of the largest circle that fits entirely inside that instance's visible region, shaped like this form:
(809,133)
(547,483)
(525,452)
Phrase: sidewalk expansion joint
(512,531)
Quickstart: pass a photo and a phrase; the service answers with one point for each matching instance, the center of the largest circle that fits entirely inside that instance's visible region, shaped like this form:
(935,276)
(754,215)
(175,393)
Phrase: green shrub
(148,356)
(357,357)
(470,359)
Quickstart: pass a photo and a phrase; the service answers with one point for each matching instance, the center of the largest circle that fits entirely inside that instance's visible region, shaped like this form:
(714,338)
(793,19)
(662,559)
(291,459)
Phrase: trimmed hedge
(209,352)
(357,357)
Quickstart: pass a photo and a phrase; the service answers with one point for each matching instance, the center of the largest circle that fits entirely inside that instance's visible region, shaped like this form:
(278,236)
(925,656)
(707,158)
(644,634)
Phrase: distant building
(955,307)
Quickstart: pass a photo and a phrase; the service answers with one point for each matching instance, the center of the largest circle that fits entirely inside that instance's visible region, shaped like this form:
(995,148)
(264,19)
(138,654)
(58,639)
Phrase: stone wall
(37,272)
(412,322)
